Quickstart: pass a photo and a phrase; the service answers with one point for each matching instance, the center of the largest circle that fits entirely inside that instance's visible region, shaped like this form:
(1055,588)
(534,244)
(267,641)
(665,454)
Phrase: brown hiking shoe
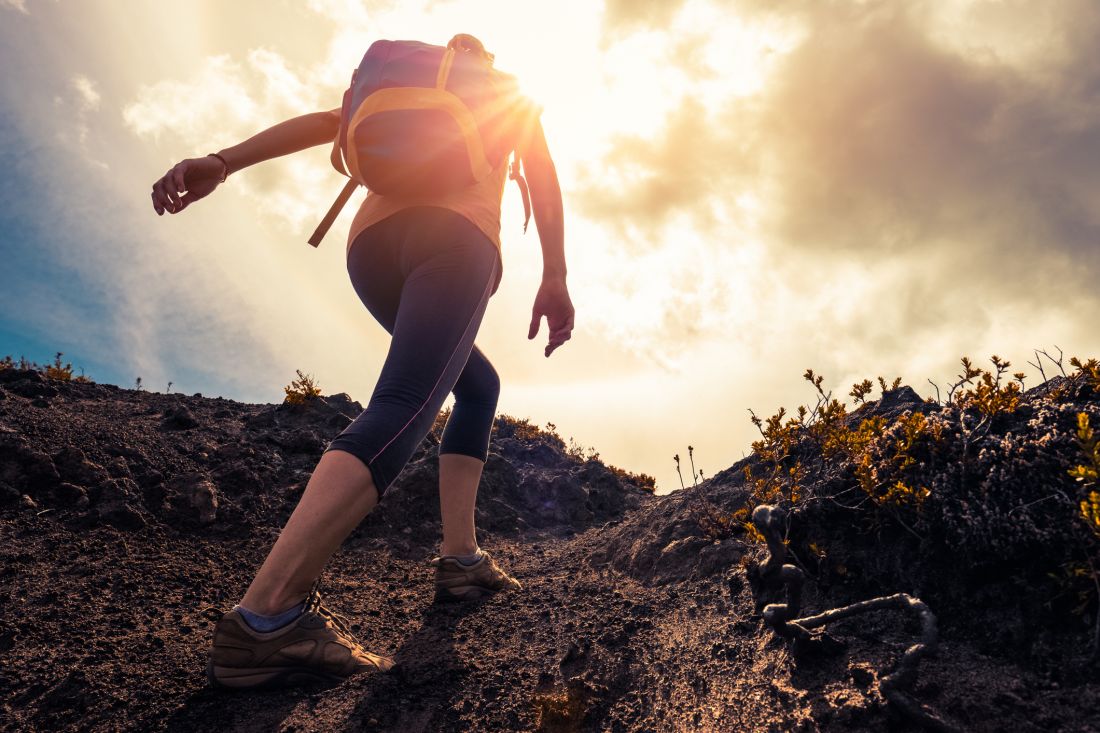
(317,647)
(457,582)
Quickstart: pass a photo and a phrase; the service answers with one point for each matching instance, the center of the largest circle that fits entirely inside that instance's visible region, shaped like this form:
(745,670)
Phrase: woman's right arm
(199,176)
(552,300)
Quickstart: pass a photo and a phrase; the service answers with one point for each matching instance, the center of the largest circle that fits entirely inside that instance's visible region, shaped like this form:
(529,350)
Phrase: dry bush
(301,389)
(57,370)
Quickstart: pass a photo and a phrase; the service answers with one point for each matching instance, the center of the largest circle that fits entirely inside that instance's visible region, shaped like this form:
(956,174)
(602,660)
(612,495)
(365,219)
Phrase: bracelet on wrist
(225,166)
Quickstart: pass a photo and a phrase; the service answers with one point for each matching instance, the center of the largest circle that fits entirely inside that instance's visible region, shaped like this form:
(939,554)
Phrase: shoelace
(313,603)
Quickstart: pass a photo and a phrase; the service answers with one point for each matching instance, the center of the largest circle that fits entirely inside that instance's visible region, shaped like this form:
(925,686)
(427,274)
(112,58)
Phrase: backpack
(423,119)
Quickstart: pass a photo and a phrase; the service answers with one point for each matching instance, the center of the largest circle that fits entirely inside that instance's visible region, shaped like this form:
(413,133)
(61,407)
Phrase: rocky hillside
(129,520)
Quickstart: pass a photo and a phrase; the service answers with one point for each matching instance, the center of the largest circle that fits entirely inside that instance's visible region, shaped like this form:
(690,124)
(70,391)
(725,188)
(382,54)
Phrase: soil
(129,521)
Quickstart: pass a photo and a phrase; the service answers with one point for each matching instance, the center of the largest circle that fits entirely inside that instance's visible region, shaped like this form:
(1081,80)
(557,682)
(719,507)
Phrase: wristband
(226,165)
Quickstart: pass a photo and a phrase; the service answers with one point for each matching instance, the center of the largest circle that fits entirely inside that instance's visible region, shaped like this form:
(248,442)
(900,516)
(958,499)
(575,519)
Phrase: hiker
(425,265)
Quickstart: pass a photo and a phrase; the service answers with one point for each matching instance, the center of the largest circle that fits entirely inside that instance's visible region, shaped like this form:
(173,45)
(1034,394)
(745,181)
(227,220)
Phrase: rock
(194,497)
(119,489)
(179,418)
(717,557)
(114,504)
(303,440)
(892,404)
(121,515)
(678,559)
(236,475)
(31,387)
(74,467)
(7,376)
(68,494)
(265,418)
(38,472)
(344,404)
(117,467)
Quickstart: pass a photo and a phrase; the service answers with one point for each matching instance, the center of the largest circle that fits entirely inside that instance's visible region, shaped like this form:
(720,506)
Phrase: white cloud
(86,89)
(225,101)
(74,118)
(19,5)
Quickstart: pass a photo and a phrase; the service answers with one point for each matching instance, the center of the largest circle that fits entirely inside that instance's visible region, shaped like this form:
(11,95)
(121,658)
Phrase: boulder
(193,497)
(179,417)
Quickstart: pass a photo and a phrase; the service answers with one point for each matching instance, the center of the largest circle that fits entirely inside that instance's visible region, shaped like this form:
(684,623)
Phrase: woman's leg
(440,276)
(463,450)
(339,494)
(449,268)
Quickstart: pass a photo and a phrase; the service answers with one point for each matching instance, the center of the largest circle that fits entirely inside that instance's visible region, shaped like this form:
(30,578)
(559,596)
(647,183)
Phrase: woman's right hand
(552,302)
(195,176)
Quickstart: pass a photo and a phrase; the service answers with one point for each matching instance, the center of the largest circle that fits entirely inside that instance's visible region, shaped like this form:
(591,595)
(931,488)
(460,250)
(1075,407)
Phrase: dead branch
(783,620)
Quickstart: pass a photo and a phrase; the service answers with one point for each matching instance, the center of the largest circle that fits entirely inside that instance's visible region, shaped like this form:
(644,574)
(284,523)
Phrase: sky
(751,189)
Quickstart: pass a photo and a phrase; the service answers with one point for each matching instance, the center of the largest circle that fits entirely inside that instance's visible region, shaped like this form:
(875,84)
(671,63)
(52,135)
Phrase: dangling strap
(516,174)
(330,217)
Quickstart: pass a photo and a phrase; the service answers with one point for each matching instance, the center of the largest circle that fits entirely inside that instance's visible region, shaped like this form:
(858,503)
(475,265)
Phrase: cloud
(86,89)
(228,101)
(869,135)
(19,5)
(73,112)
(912,170)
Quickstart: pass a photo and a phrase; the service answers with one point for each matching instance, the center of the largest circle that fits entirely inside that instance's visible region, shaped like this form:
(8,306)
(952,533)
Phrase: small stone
(195,497)
(179,418)
(121,515)
(71,495)
(117,467)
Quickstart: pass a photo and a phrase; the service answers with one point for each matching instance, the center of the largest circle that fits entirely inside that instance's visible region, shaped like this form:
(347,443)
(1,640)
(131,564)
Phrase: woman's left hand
(553,302)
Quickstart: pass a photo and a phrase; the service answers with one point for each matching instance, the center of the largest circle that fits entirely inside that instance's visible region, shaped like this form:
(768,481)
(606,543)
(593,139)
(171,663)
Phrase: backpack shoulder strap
(330,217)
(515,172)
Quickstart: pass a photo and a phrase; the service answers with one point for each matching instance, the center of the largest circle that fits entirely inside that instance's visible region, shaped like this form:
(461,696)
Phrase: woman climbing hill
(424,264)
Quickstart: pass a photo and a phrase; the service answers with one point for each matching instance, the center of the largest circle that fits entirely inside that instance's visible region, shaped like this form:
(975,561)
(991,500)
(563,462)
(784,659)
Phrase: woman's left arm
(200,176)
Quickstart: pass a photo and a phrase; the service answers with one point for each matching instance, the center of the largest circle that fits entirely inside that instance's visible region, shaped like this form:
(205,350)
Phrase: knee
(481,386)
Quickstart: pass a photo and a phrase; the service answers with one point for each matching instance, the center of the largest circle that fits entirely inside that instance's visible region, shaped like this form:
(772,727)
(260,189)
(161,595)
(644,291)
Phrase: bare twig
(938,400)
(1057,362)
(783,620)
(1030,503)
(1038,364)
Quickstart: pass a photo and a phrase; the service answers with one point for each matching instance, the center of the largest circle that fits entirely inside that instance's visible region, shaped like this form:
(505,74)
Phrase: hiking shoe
(317,647)
(457,582)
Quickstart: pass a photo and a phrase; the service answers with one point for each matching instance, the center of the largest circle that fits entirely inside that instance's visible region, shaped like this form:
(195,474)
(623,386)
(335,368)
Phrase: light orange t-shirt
(479,203)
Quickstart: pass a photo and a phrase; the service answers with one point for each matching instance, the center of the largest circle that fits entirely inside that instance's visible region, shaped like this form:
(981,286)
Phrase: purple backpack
(419,119)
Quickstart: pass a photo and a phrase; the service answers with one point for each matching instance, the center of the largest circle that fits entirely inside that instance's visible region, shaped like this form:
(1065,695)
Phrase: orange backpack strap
(336,157)
(330,217)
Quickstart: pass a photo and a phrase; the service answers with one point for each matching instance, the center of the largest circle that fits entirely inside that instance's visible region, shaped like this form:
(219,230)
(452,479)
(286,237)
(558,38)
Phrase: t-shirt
(479,203)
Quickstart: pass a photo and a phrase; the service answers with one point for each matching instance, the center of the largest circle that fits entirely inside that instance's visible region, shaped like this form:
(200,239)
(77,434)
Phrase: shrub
(1087,472)
(62,373)
(301,389)
(643,481)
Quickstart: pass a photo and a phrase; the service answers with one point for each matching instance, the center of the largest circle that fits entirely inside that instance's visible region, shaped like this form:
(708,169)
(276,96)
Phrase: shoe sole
(237,678)
(463,593)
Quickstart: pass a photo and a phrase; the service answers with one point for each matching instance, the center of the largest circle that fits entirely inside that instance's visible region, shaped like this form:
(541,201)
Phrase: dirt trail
(112,573)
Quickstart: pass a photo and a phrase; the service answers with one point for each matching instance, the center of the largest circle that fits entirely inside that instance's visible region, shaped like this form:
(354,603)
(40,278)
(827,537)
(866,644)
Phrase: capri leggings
(426,274)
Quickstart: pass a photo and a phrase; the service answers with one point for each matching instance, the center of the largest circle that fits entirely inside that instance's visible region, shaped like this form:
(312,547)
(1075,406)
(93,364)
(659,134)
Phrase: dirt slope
(130,520)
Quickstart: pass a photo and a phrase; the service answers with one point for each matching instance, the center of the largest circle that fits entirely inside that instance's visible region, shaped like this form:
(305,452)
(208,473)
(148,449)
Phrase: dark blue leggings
(426,274)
